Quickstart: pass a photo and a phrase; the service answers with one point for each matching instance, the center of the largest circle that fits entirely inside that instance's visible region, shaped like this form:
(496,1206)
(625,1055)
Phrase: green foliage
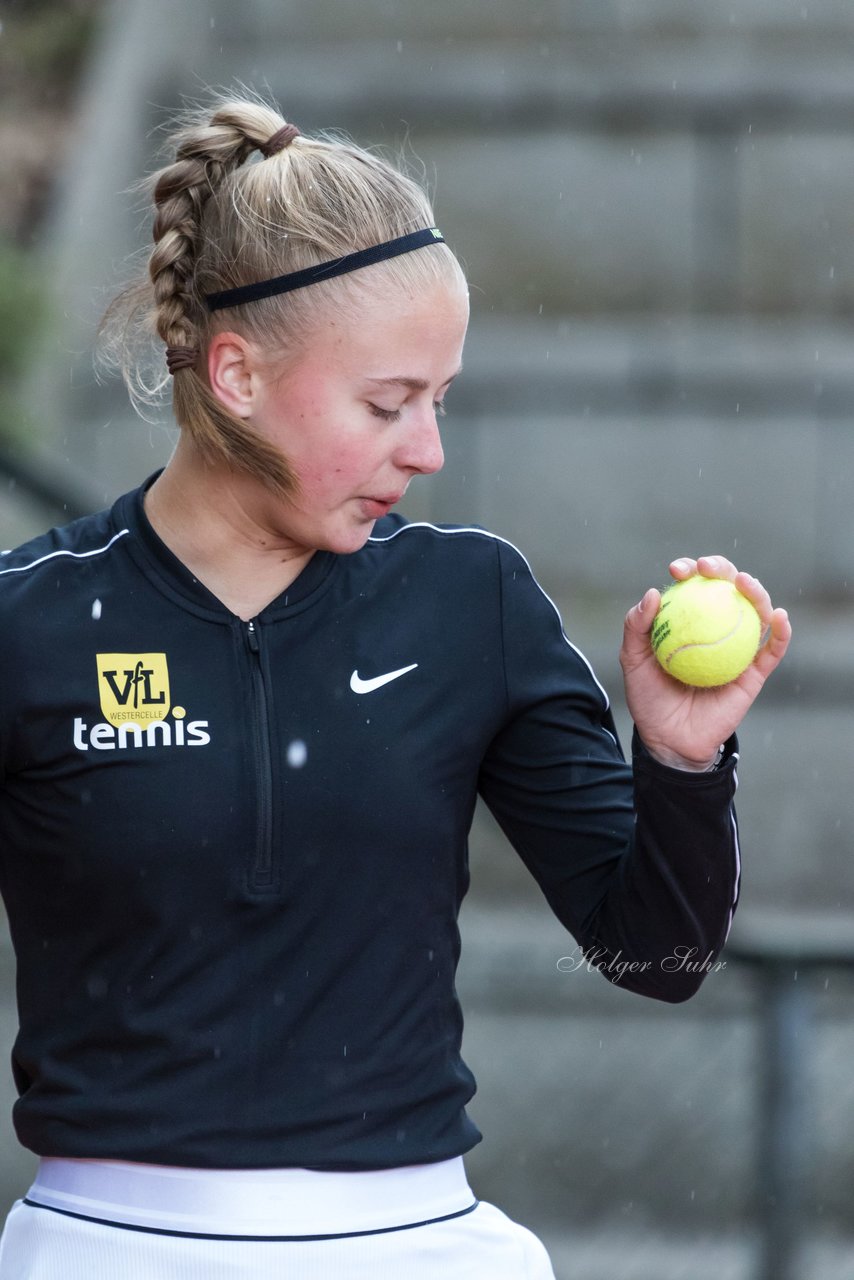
(43,48)
(22,312)
(43,45)
(21,308)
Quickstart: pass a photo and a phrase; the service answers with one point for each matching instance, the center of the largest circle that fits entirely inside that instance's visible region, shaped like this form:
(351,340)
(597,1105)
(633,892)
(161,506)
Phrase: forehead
(378,324)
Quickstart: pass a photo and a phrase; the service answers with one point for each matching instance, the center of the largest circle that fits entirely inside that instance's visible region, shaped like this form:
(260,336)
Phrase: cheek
(333,469)
(324,441)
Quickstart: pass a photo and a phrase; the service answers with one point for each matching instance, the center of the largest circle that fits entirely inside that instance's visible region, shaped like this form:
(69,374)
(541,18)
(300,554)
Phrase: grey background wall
(655,204)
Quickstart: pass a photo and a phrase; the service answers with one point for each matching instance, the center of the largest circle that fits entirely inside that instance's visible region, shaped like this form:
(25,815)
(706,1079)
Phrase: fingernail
(681,564)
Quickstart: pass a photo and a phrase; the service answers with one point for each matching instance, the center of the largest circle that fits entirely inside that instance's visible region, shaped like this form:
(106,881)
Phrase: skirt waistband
(252,1202)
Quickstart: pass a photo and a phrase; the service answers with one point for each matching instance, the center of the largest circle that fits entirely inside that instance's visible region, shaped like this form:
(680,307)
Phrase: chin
(345,543)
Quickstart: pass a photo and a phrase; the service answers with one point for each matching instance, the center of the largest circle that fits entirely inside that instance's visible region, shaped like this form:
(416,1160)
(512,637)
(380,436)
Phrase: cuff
(727,752)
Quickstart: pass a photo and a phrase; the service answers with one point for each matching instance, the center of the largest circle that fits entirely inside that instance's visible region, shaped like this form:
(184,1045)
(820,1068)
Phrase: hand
(680,725)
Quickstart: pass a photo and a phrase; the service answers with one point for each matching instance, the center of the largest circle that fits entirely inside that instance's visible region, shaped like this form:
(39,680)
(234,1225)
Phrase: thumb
(638,624)
(639,620)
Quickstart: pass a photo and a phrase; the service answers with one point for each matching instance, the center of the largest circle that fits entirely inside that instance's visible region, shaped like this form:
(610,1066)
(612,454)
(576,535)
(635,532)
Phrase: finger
(683,568)
(639,620)
(716,567)
(774,648)
(754,591)
(635,649)
(708,566)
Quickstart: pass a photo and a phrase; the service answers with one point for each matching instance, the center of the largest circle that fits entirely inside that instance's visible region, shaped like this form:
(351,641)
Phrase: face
(356,413)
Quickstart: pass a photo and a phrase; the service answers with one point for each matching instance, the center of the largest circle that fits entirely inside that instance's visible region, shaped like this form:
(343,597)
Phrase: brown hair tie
(181,358)
(281,138)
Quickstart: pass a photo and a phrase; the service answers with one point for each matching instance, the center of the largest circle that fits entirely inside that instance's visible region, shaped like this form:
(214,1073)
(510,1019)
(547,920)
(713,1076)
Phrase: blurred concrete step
(636,168)
(605,449)
(682,365)
(601,505)
(649,177)
(613,1250)
(619,82)
(286,20)
(615,1099)
(22,515)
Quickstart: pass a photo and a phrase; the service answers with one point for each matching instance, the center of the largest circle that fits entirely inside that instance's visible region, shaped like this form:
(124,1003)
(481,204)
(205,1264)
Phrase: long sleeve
(640,864)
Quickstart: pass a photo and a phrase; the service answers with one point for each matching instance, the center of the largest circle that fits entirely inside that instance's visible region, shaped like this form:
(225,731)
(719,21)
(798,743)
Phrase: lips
(375,508)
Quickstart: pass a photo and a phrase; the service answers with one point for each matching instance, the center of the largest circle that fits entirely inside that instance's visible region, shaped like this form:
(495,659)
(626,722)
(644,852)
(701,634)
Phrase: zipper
(261,875)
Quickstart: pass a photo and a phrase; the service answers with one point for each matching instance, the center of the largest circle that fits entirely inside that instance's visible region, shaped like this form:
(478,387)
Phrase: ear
(231,366)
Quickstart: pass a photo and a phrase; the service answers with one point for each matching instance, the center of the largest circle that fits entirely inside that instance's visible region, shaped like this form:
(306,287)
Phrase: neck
(213,519)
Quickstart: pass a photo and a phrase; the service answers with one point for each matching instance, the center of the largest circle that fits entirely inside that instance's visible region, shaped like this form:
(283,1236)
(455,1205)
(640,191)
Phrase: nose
(421,451)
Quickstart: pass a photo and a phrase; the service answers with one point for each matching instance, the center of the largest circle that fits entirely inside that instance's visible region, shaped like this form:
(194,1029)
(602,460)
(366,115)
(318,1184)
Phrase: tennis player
(245,718)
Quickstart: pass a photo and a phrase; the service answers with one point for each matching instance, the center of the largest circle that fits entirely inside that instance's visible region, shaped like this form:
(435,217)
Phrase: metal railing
(786,951)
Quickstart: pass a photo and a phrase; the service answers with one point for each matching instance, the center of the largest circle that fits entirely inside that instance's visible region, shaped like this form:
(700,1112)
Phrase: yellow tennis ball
(706,632)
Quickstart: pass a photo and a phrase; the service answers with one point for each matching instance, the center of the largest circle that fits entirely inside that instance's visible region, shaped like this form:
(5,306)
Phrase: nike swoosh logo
(358,685)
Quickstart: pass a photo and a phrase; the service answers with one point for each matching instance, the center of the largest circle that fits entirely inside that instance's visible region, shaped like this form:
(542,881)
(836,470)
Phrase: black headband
(324,270)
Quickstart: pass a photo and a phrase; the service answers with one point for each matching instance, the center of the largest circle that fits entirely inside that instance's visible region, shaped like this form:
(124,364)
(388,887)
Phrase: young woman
(246,717)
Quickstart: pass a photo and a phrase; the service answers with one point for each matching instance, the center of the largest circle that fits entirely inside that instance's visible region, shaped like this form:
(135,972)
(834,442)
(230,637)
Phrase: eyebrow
(412,384)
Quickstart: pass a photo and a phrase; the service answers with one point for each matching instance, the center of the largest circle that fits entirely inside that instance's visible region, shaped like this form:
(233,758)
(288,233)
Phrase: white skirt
(97,1219)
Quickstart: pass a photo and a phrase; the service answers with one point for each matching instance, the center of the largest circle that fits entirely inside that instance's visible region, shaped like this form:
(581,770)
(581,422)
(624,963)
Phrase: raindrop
(297,753)
(96,609)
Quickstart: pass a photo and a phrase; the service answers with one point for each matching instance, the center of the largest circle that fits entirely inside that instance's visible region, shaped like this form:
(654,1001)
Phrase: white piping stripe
(75,555)
(737,851)
(484,533)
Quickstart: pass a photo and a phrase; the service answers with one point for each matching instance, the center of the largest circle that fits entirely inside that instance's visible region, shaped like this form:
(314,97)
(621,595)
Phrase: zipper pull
(252,637)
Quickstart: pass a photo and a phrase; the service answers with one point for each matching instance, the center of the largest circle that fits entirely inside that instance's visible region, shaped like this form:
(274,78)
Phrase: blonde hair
(221,222)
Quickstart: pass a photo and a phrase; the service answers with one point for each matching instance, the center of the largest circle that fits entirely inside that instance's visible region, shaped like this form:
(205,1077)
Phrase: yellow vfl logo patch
(133,687)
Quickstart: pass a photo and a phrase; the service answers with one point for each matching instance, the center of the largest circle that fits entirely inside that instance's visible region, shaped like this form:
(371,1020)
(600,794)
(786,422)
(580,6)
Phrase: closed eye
(387,415)
(393,415)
